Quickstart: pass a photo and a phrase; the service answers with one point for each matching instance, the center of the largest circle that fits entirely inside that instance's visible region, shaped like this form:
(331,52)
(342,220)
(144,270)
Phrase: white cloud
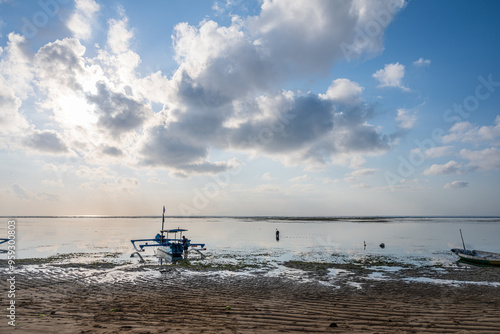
(456,185)
(467,132)
(300,178)
(391,76)
(487,159)
(364,172)
(267,177)
(308,33)
(119,35)
(421,62)
(15,66)
(351,179)
(344,91)
(361,186)
(406,119)
(451,167)
(328,180)
(440,151)
(434,152)
(11,121)
(356,175)
(82,20)
(226,93)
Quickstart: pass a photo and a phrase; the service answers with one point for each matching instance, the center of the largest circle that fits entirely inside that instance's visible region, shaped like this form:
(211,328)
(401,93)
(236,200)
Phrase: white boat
(478,256)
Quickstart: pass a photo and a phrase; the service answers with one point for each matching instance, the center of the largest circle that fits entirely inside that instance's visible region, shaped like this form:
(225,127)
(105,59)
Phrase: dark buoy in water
(382,245)
(277,235)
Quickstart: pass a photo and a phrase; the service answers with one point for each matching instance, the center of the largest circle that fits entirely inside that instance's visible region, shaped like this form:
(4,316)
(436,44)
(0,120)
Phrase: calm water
(407,239)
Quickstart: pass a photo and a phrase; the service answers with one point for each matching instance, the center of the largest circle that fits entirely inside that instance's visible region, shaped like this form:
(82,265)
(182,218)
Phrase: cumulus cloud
(487,159)
(11,120)
(226,93)
(435,152)
(406,119)
(451,167)
(119,35)
(81,21)
(468,132)
(312,35)
(46,141)
(391,76)
(15,66)
(344,91)
(284,40)
(421,62)
(308,130)
(64,57)
(456,185)
(118,113)
(267,177)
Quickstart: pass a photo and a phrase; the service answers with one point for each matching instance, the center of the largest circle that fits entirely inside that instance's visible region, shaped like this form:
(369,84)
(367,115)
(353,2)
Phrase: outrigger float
(166,248)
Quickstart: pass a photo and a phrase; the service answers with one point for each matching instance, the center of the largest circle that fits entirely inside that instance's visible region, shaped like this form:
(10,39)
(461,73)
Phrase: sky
(250,108)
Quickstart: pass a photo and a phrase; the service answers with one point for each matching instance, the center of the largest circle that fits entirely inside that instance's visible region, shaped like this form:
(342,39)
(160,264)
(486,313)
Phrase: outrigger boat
(166,248)
(477,256)
(3,240)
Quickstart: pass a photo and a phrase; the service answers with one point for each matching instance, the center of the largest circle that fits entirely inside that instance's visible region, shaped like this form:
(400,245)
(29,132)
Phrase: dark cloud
(112,151)
(118,113)
(46,141)
(304,129)
(312,127)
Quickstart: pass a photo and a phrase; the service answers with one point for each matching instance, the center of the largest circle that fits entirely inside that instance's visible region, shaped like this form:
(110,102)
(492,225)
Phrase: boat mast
(162,223)
(461,236)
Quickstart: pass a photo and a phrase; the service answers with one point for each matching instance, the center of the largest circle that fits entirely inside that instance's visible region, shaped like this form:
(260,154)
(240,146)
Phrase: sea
(301,238)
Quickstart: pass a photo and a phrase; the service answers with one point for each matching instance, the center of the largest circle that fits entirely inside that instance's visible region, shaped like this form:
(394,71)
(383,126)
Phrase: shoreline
(141,299)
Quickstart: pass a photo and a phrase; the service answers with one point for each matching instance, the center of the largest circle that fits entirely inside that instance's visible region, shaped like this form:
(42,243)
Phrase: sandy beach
(68,300)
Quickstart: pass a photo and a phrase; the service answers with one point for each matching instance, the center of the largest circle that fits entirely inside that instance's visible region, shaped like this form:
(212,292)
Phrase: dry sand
(55,301)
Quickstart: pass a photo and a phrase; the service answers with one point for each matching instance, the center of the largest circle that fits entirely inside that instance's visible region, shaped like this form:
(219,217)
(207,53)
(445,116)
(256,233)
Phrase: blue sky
(309,108)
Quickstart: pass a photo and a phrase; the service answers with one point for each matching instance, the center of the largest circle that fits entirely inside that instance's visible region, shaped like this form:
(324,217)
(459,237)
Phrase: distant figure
(185,245)
(277,235)
(382,245)
(364,245)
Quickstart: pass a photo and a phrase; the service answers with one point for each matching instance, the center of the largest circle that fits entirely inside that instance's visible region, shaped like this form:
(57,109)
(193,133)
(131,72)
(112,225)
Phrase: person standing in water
(277,235)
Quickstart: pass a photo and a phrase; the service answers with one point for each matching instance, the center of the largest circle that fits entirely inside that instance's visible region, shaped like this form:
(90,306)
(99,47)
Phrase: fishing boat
(167,247)
(3,240)
(476,256)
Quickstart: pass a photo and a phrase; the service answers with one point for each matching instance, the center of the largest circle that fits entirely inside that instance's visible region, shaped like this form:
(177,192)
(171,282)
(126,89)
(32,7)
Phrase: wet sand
(59,300)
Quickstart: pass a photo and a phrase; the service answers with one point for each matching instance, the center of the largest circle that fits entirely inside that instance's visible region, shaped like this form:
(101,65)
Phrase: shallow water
(314,239)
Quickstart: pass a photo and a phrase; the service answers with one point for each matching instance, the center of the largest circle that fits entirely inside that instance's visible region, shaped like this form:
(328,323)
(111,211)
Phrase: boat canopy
(174,230)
